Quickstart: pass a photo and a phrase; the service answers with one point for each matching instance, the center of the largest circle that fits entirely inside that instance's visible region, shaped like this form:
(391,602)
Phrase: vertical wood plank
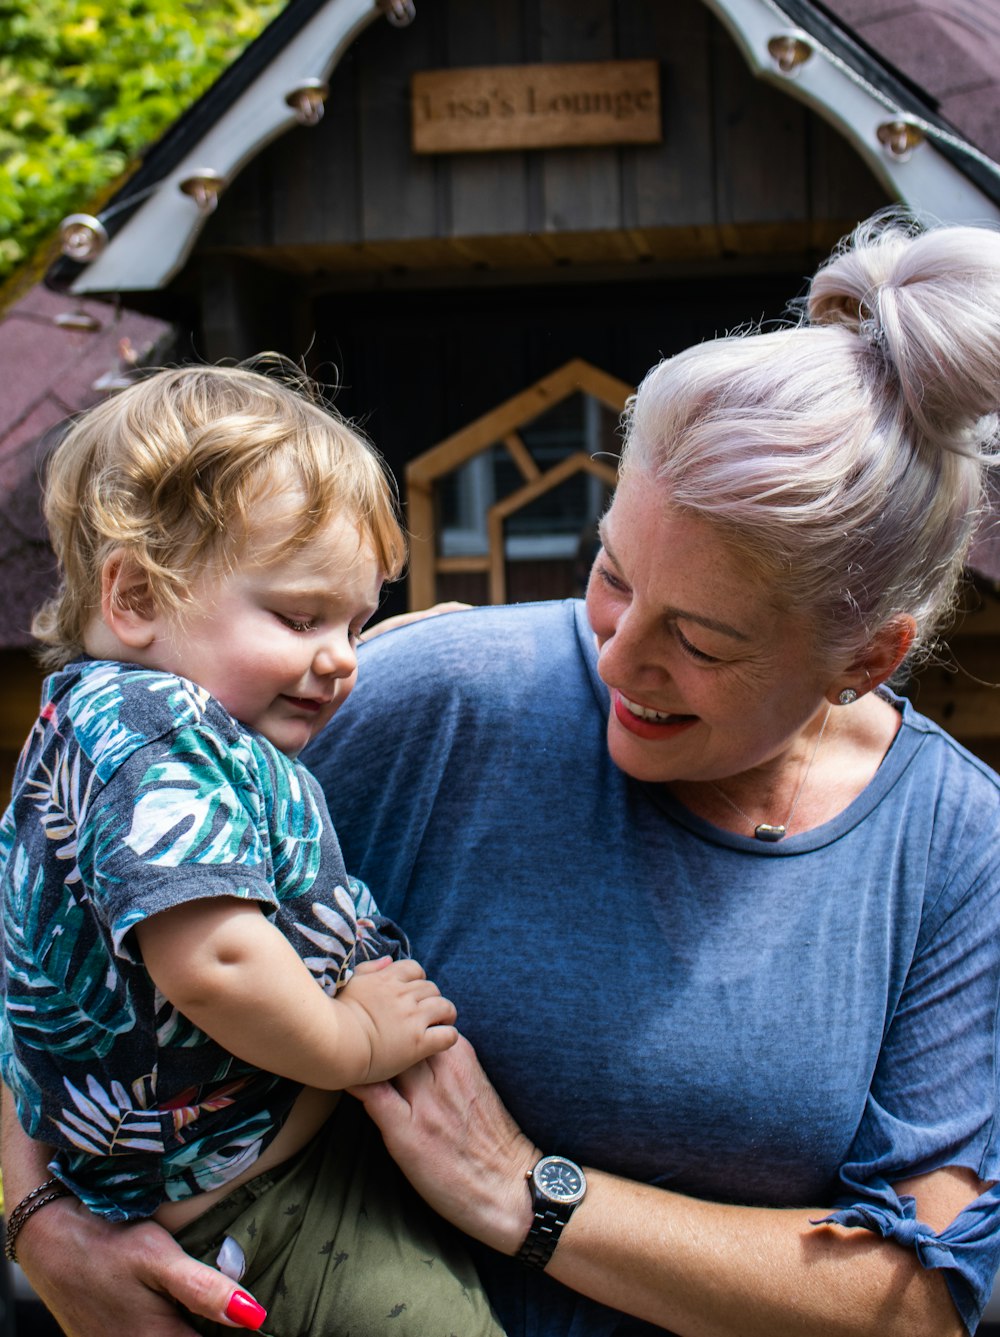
(421,584)
(488,191)
(317,180)
(498,561)
(399,194)
(671,184)
(581,188)
(842,188)
(22,678)
(760,145)
(243,217)
(246,309)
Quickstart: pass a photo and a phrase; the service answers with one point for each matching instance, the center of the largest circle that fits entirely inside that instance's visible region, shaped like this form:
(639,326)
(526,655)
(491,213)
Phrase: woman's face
(709,678)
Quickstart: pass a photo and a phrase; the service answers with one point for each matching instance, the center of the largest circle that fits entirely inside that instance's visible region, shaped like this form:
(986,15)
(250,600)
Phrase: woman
(719,912)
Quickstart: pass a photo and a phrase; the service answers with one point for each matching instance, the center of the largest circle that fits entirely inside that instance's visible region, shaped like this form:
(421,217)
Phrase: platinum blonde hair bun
(928,302)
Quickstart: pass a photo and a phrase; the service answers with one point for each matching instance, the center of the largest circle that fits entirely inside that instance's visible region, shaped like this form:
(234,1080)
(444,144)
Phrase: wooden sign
(536,106)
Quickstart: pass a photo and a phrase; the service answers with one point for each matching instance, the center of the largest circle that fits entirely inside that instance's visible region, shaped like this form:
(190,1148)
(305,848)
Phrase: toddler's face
(276,643)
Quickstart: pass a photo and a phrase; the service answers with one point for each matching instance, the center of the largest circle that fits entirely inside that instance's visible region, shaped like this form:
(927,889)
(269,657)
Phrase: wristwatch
(557,1189)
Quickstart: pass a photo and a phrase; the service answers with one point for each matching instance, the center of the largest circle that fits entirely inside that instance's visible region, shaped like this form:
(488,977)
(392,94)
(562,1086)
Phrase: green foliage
(86,85)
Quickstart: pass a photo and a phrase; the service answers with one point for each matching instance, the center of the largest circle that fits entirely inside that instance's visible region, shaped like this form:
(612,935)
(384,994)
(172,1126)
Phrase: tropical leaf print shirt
(136,792)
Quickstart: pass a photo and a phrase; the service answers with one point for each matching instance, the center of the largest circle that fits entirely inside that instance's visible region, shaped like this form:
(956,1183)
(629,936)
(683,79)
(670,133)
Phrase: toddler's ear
(127,605)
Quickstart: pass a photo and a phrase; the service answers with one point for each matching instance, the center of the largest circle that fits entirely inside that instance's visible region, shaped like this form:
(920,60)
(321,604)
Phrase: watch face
(559,1179)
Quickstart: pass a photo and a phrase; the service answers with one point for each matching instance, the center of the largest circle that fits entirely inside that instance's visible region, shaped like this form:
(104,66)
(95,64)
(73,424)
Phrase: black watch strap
(557,1188)
(541,1240)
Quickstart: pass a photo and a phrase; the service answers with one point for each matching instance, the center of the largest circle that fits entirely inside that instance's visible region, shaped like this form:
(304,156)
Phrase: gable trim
(151,242)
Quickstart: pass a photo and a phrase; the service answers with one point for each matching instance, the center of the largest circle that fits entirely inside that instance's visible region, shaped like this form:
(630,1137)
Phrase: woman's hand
(97,1278)
(445,1126)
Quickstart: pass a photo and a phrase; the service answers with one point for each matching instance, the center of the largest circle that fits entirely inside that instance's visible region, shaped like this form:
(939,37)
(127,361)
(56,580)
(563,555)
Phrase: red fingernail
(245,1310)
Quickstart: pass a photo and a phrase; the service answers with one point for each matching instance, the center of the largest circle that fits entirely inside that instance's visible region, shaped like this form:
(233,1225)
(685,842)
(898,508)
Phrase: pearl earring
(848,696)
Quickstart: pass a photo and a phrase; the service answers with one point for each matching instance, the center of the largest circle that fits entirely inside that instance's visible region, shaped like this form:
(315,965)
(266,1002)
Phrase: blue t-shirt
(136,792)
(800,1023)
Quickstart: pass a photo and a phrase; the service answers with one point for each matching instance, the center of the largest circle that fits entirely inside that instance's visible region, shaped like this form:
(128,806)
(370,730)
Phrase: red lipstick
(651,729)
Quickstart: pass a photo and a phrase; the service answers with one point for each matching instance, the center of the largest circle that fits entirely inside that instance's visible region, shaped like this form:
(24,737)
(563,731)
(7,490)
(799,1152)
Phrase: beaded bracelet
(38,1197)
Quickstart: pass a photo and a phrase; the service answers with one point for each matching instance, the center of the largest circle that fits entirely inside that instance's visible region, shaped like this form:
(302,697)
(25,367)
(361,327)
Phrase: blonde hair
(845,457)
(170,471)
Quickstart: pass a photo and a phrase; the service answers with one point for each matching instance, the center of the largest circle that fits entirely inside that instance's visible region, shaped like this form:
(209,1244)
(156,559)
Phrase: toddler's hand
(402,1014)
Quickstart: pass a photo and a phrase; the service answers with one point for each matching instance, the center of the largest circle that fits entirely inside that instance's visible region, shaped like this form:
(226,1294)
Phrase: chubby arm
(224,965)
(700,1269)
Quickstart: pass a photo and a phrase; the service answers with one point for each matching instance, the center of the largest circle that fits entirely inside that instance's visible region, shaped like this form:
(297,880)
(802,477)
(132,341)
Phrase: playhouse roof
(57,356)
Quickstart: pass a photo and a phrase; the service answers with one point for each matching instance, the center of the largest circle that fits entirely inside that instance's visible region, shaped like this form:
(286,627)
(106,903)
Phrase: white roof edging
(927,182)
(154,243)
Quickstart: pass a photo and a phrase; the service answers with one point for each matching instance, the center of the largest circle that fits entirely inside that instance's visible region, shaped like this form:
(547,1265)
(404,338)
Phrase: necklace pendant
(769,833)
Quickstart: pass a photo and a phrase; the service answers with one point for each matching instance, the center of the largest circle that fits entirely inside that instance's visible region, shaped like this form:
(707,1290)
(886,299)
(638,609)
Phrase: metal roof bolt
(82,237)
(900,137)
(204,187)
(307,101)
(789,51)
(400,13)
(77,320)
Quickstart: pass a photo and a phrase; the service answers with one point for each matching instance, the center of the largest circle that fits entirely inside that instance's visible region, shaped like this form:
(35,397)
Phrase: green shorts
(338,1244)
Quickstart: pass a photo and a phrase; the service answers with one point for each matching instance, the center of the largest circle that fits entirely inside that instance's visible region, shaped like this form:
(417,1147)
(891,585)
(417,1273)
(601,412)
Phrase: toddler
(190,974)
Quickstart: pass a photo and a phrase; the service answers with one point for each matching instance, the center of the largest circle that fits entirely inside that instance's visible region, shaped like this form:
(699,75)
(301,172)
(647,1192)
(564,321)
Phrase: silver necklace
(765,830)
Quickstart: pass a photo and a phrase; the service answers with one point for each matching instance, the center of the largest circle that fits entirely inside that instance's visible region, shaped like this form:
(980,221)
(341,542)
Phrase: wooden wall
(742,168)
(960,688)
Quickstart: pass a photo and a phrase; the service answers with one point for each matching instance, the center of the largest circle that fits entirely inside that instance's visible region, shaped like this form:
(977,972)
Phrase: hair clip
(872,332)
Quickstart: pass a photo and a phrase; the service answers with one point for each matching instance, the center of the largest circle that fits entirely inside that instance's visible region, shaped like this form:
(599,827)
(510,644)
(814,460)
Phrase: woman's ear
(128,608)
(878,661)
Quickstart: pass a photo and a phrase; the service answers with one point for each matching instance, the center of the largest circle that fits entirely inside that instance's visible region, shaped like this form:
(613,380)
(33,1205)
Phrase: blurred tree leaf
(86,85)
